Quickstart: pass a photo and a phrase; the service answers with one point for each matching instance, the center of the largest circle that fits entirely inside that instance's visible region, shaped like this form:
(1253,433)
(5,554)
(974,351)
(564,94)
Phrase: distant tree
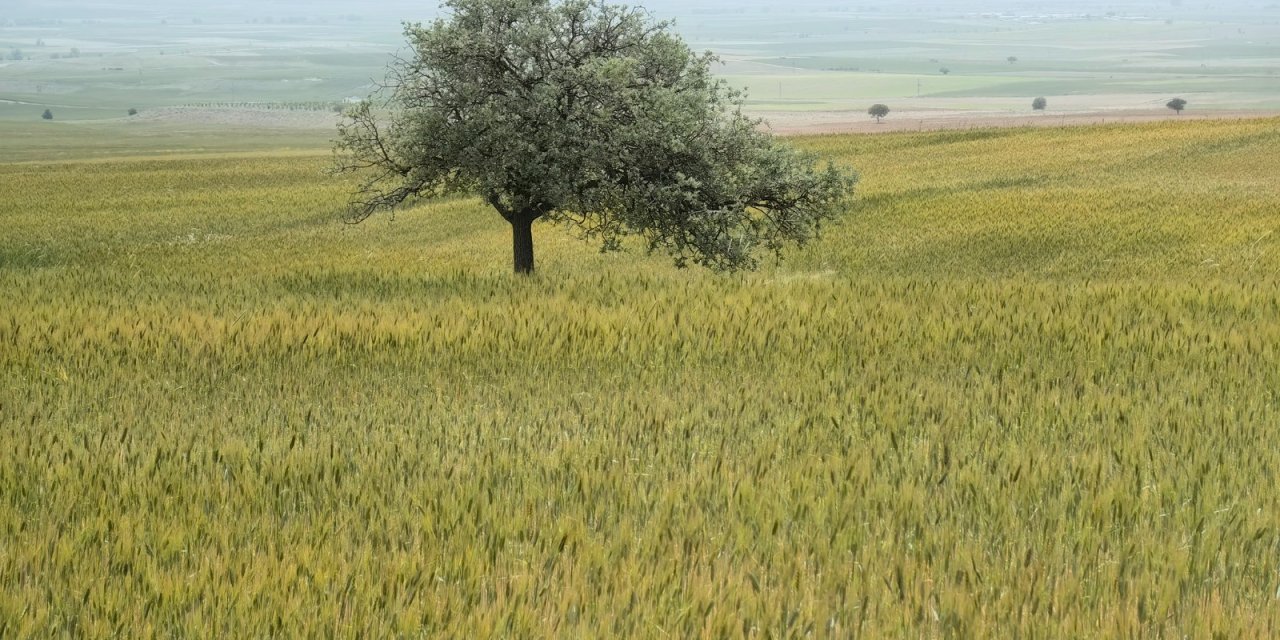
(47,115)
(75,52)
(1039,104)
(878,111)
(1012,59)
(16,55)
(944,71)
(1177,104)
(589,114)
(133,112)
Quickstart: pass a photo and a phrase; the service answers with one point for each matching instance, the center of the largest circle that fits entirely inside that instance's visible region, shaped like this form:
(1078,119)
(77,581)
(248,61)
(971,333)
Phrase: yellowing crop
(1028,388)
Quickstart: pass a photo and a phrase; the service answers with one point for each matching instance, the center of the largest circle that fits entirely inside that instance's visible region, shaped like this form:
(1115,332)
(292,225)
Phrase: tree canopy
(587,113)
(878,111)
(1039,104)
(1177,104)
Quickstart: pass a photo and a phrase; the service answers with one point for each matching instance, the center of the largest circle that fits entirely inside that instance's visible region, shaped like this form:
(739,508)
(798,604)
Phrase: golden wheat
(1028,388)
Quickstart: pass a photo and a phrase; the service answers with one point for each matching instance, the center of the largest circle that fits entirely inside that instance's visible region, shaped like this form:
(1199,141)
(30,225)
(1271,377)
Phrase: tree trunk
(522,243)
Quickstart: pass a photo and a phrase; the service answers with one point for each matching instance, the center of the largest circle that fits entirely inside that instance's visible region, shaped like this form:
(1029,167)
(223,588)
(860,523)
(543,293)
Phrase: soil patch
(822,122)
(238,118)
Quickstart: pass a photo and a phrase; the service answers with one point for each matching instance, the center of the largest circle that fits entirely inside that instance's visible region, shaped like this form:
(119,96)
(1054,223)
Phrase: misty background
(394,11)
(803,62)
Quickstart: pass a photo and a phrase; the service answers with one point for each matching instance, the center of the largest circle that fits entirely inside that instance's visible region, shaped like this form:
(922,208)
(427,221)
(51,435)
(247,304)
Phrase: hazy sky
(76,9)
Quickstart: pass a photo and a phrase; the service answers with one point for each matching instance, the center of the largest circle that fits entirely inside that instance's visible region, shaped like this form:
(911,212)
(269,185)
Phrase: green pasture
(122,66)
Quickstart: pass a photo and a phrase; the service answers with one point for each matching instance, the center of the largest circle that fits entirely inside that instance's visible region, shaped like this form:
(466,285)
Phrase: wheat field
(1028,387)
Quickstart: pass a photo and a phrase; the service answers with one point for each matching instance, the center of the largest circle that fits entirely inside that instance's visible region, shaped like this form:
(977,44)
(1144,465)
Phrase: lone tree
(47,115)
(878,111)
(1039,104)
(944,71)
(1177,104)
(1012,59)
(585,113)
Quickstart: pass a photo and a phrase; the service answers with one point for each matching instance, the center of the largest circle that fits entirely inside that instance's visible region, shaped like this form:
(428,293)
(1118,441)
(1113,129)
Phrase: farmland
(1027,387)
(101,59)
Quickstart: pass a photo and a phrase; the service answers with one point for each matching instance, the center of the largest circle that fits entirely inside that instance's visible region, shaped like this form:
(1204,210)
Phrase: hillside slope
(1027,387)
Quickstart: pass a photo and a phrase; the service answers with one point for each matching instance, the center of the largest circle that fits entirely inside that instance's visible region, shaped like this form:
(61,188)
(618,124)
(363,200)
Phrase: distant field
(1124,61)
(1028,387)
(44,141)
(809,58)
(148,65)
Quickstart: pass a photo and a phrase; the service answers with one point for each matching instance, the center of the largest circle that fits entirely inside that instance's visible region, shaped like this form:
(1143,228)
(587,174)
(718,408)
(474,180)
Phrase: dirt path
(244,118)
(820,122)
